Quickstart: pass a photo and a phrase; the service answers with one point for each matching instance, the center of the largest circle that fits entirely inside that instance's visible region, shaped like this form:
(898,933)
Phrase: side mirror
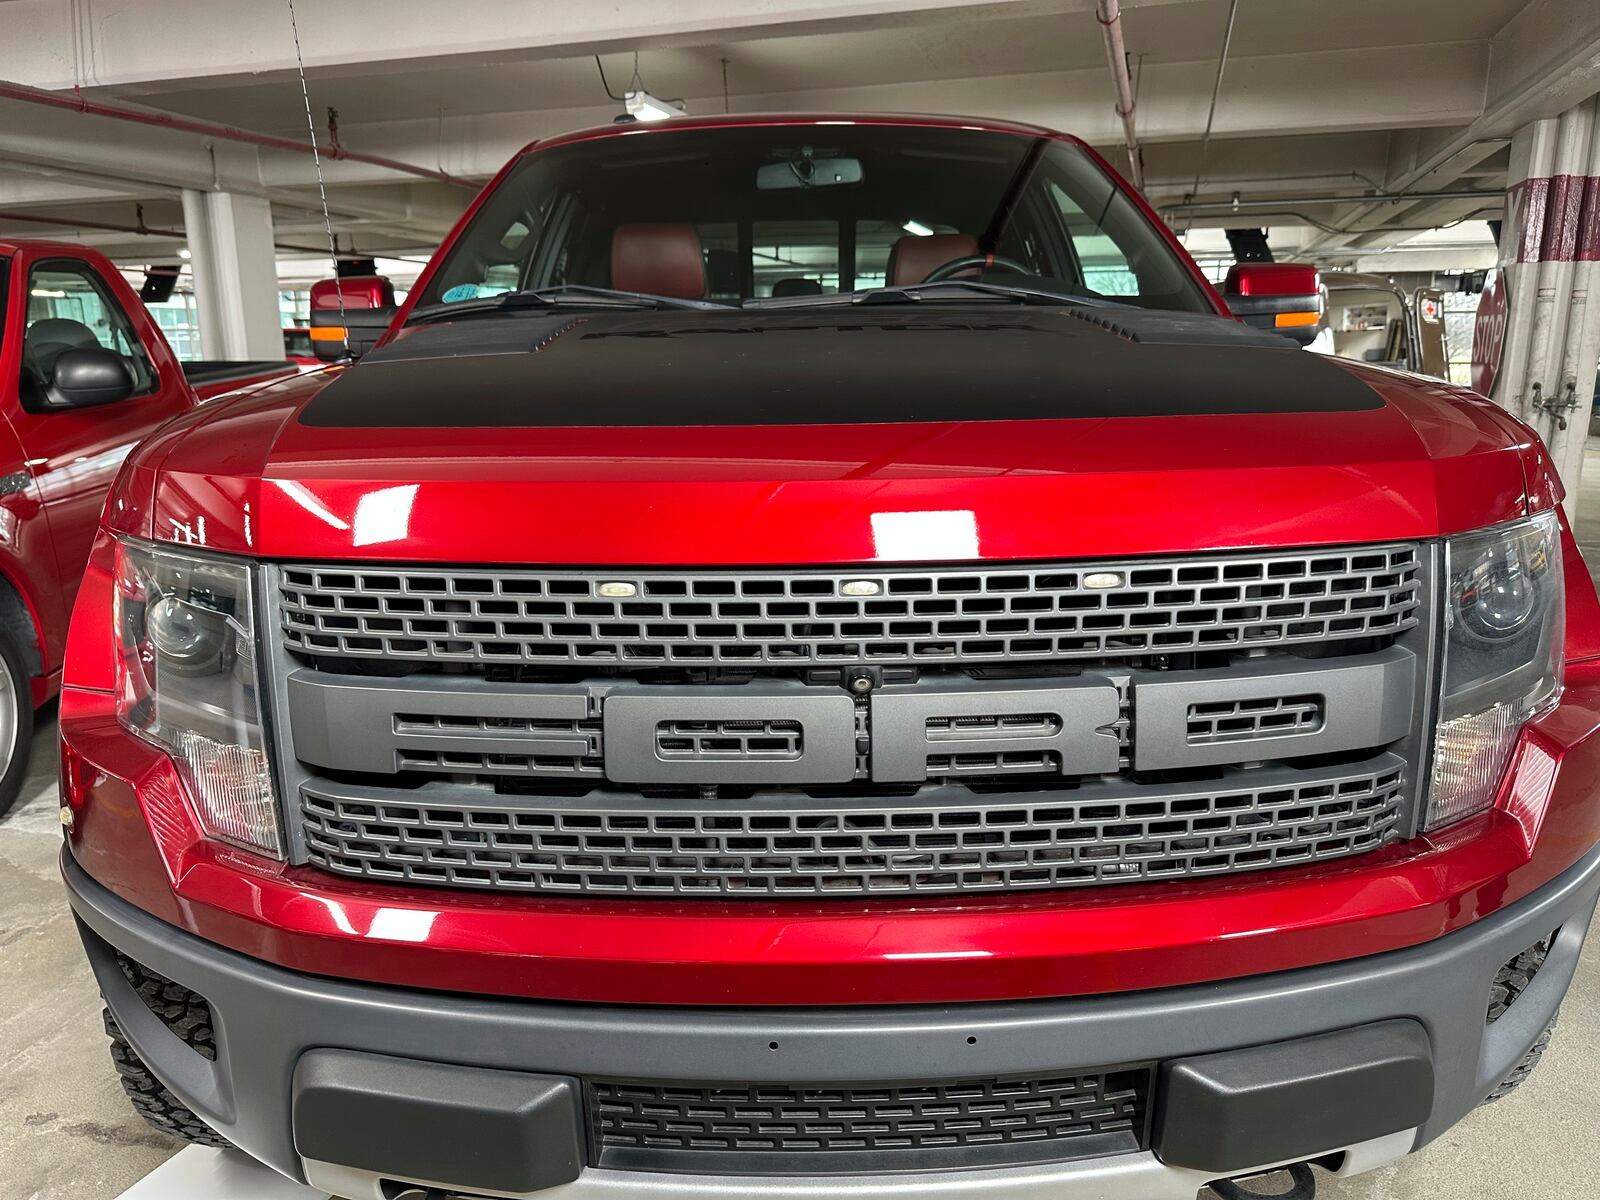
(1286,298)
(86,378)
(368,305)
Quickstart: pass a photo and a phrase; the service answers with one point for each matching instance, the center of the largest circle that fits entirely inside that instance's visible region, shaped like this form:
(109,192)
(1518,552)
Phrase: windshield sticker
(462,291)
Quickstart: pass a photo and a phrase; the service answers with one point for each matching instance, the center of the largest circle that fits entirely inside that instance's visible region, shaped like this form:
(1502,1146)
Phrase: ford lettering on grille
(777,734)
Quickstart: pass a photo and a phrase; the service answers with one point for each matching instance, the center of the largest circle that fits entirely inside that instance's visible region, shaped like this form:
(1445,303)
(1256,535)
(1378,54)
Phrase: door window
(70,308)
(1105,266)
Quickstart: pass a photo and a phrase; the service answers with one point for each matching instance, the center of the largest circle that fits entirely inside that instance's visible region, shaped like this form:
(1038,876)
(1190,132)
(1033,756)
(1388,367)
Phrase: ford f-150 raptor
(814,657)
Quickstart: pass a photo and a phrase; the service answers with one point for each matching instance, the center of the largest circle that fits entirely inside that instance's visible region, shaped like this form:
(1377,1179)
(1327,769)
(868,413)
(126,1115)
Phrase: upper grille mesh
(796,618)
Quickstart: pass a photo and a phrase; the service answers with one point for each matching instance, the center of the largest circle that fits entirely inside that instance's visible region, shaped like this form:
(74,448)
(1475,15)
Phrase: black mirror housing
(89,377)
(360,332)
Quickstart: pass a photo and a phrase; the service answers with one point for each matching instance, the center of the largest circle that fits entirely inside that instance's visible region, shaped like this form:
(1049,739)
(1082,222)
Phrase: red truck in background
(84,375)
(812,657)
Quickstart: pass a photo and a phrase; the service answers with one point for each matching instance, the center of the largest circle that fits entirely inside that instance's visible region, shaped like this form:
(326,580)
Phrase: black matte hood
(843,365)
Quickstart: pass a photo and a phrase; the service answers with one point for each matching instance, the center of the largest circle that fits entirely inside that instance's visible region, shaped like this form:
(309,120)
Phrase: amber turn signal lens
(327,333)
(1284,320)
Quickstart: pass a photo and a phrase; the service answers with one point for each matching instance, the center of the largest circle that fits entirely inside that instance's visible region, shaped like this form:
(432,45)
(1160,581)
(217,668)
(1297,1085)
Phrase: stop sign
(1489,334)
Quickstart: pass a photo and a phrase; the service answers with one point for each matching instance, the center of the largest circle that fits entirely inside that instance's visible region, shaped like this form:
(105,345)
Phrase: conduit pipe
(76,102)
(1190,206)
(1110,17)
(140,230)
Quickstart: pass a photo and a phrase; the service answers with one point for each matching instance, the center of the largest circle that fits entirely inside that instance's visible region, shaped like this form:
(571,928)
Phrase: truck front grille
(846,732)
(785,1128)
(839,617)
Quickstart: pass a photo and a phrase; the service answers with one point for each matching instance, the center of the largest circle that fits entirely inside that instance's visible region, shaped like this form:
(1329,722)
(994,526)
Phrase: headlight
(1503,637)
(186,681)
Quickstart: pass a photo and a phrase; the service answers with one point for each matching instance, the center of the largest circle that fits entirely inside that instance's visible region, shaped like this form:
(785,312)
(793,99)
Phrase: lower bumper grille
(785,1128)
(941,839)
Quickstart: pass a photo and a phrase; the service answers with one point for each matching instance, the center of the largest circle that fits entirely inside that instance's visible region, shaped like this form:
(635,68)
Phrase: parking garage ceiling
(1316,101)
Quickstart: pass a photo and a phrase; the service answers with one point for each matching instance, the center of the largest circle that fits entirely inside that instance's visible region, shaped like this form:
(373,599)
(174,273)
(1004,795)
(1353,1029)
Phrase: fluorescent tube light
(643,106)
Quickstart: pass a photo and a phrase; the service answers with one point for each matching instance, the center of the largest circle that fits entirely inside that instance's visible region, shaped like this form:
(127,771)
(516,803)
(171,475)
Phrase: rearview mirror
(89,377)
(804,171)
(1286,298)
(348,316)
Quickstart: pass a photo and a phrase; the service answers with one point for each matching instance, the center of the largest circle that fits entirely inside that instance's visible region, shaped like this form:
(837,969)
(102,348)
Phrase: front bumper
(267,1019)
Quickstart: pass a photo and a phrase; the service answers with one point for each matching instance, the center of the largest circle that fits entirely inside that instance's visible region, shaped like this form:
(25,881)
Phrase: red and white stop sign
(1489,334)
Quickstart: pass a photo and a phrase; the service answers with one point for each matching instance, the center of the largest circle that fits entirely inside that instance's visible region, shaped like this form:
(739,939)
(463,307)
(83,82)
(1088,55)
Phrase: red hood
(248,477)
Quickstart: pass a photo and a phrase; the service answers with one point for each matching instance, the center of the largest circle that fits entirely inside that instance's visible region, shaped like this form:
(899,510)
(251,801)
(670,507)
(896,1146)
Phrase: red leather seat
(912,258)
(662,259)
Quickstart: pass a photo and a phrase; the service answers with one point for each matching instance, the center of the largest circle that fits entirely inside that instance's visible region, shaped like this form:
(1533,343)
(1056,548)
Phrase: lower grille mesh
(783,1127)
(942,839)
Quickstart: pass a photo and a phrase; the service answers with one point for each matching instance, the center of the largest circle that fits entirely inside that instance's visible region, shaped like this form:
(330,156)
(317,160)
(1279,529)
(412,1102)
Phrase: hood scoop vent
(1151,327)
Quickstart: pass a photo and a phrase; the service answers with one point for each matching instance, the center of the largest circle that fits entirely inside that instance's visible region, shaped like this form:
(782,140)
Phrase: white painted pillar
(1549,248)
(235,274)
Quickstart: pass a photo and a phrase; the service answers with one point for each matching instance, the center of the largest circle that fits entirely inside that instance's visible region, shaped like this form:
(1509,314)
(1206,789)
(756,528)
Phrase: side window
(1106,269)
(521,239)
(70,308)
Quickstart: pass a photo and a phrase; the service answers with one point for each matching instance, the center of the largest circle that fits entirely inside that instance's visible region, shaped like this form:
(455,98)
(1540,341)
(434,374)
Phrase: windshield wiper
(944,289)
(566,295)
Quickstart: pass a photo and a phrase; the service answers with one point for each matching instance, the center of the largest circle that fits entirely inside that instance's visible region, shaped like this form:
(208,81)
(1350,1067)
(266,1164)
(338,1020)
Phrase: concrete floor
(67,1133)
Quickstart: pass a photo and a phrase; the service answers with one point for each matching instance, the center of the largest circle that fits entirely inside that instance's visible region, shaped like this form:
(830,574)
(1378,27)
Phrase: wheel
(1524,1068)
(1511,980)
(150,1097)
(16,720)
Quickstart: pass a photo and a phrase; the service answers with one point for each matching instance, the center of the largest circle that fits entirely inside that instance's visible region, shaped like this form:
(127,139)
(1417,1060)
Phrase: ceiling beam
(1263,96)
(1544,61)
(97,43)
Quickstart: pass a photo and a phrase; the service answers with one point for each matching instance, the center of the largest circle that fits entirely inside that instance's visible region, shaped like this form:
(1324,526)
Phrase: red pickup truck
(813,658)
(84,375)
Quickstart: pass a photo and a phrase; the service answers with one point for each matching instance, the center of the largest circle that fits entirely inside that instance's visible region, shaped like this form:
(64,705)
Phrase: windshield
(787,213)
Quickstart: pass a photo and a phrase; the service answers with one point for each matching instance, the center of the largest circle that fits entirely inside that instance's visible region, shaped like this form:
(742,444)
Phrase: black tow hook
(1303,1185)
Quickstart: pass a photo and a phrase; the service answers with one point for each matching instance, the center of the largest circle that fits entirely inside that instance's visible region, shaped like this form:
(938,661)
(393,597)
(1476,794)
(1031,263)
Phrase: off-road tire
(150,1097)
(1525,1068)
(19,695)
(180,1010)
(1511,980)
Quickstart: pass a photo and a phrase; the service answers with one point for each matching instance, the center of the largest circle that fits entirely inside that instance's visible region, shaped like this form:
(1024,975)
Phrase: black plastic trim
(507,1131)
(1227,1112)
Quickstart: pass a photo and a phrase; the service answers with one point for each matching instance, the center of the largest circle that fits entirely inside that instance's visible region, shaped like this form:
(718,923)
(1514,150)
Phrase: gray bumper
(266,1019)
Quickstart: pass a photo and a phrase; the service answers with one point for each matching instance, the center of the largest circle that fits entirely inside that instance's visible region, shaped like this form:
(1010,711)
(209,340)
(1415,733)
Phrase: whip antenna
(322,187)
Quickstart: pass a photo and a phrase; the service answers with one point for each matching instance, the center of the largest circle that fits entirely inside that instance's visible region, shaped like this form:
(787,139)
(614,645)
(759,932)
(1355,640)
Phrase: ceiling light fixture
(642,106)
(917,228)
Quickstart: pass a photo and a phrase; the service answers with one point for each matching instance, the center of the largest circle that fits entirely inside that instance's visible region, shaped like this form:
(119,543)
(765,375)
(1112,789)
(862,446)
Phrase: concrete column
(235,274)
(1549,247)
